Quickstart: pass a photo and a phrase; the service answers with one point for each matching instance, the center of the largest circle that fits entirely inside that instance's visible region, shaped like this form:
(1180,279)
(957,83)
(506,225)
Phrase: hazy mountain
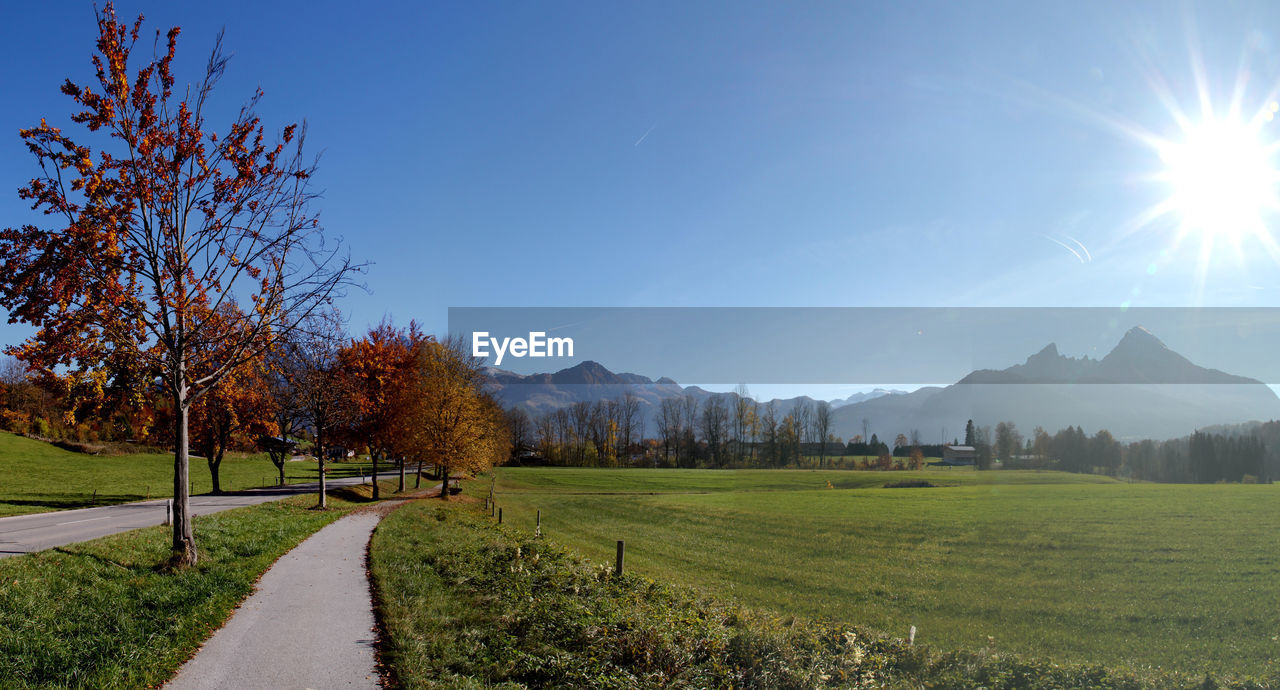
(1139,357)
(863,397)
(1141,389)
(590,381)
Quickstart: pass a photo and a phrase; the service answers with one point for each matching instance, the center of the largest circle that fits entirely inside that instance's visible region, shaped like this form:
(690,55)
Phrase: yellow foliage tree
(451,423)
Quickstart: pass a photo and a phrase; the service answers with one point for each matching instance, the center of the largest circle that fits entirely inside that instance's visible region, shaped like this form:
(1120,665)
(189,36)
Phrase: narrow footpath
(309,625)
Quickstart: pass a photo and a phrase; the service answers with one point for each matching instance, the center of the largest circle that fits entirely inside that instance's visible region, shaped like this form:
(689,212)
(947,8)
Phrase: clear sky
(738,154)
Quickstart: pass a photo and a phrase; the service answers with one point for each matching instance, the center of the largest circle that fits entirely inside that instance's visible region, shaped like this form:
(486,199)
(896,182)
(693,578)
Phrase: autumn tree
(521,429)
(153,219)
(237,407)
(324,395)
(234,411)
(379,369)
(453,424)
(280,370)
(917,458)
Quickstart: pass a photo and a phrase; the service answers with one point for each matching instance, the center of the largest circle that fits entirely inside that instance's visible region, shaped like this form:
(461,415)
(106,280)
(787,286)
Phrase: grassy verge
(99,614)
(1045,564)
(36,476)
(467,603)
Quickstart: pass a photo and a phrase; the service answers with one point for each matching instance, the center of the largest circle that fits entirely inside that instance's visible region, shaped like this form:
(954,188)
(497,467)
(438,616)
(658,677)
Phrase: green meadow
(36,476)
(101,614)
(1062,567)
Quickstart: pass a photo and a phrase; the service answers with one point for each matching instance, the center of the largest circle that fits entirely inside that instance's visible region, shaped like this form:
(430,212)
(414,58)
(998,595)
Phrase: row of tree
(731,430)
(179,277)
(1202,457)
(394,393)
(736,431)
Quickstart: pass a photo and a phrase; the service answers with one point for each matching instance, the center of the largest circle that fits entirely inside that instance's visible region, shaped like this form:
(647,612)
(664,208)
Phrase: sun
(1222,177)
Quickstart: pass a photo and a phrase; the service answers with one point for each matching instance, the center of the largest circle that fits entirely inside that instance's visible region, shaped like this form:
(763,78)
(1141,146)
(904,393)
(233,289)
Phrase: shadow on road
(69,501)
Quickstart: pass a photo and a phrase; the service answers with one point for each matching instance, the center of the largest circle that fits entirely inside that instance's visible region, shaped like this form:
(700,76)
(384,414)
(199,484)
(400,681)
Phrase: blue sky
(720,154)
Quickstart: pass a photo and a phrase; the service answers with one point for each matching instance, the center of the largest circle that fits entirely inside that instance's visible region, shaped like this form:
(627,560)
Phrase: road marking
(104,517)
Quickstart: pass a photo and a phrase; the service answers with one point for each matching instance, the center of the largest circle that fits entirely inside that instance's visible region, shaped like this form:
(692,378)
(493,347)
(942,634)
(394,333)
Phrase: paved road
(26,533)
(309,625)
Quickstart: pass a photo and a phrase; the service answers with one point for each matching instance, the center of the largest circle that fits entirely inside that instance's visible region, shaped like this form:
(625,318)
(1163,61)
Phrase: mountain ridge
(1140,389)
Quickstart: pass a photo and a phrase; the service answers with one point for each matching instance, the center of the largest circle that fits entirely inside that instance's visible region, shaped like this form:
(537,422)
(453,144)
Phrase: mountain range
(1141,389)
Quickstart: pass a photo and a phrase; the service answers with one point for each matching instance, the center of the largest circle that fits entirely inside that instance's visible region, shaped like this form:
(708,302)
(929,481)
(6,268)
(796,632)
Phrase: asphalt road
(23,534)
(310,624)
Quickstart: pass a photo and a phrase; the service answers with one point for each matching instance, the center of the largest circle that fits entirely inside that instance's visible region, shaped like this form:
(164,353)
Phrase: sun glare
(1222,178)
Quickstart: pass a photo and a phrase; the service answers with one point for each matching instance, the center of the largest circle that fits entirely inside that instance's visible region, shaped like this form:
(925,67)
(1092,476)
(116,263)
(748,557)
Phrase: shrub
(41,427)
(15,421)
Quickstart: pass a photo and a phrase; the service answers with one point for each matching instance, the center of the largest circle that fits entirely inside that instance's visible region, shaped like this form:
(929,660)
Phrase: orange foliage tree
(155,224)
(237,408)
(380,369)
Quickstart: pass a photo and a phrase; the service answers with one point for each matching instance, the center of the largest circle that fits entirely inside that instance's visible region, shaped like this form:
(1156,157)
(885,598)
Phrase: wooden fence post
(538,525)
(499,516)
(622,548)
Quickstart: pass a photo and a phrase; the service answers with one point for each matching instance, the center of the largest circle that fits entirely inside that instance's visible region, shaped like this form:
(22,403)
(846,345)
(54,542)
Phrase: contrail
(646,133)
(1065,246)
(567,325)
(1087,255)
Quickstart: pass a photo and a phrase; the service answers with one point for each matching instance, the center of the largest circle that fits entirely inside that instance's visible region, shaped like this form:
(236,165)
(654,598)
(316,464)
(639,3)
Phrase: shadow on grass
(354,494)
(336,470)
(101,559)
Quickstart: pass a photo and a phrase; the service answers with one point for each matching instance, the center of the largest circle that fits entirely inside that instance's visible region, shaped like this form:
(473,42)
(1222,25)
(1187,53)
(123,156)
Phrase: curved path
(309,625)
(26,533)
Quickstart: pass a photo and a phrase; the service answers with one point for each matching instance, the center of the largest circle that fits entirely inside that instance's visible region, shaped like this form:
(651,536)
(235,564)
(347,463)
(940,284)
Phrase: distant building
(957,456)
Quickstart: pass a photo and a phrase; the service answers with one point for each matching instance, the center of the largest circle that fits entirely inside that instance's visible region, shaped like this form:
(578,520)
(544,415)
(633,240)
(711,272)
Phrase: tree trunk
(320,460)
(373,455)
(401,489)
(184,541)
(214,465)
(417,478)
(444,483)
(280,467)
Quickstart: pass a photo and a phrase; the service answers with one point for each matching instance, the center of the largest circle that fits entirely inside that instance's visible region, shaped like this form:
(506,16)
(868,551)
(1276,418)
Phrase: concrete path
(309,625)
(26,533)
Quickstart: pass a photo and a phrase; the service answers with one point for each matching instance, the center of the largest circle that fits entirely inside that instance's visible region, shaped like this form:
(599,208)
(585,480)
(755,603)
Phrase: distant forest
(737,432)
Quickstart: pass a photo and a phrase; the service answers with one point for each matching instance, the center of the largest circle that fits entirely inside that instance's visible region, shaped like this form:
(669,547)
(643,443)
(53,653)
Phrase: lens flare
(1222,179)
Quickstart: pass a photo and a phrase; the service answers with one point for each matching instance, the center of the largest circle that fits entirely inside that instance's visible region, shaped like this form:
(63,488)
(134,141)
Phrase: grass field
(36,476)
(1066,567)
(100,614)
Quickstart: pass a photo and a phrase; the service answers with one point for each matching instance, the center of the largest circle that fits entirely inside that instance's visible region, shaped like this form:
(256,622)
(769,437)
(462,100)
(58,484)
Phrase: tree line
(735,431)
(1234,454)
(393,394)
(718,431)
